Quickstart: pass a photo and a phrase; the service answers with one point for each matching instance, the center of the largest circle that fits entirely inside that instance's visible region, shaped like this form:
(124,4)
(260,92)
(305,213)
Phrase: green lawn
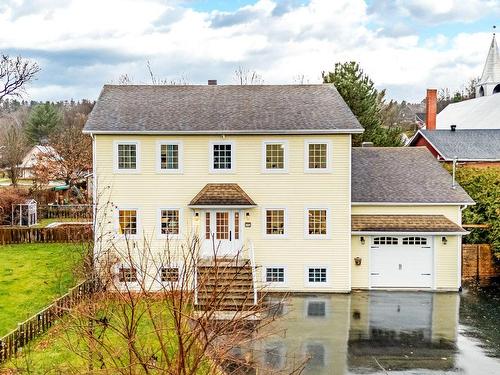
(42,223)
(31,276)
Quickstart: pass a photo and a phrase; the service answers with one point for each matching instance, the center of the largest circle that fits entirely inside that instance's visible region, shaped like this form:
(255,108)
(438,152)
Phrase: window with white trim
(385,241)
(222,157)
(317,156)
(127,156)
(316,275)
(127,275)
(275,222)
(127,222)
(414,241)
(317,222)
(275,275)
(170,274)
(169,156)
(275,156)
(169,221)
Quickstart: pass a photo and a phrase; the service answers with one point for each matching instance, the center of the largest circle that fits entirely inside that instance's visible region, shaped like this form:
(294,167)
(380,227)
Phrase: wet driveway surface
(386,332)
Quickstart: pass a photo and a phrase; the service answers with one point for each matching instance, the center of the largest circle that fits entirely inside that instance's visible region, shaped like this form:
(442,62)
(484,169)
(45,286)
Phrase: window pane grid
(275,222)
(127,156)
(207,226)
(127,275)
(317,222)
(127,221)
(170,274)
(222,225)
(317,156)
(236,225)
(414,241)
(275,156)
(275,275)
(317,275)
(222,156)
(385,241)
(169,156)
(169,221)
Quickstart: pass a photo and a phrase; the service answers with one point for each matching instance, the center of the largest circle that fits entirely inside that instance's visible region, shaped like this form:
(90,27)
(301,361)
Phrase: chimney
(431,109)
(212,82)
(367,144)
(453,127)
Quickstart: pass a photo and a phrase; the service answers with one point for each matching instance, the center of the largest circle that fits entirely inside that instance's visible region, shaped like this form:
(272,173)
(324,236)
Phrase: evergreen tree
(43,120)
(366,102)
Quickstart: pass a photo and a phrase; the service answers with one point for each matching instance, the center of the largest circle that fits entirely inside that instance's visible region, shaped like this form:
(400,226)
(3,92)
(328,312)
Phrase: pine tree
(365,101)
(43,120)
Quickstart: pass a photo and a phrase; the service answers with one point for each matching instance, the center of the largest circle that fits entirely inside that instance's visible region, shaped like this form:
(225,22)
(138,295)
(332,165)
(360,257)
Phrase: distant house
(32,157)
(483,112)
(472,146)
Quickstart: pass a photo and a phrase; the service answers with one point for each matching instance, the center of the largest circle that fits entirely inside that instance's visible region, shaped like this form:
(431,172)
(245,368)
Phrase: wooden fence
(43,320)
(64,233)
(479,263)
(71,211)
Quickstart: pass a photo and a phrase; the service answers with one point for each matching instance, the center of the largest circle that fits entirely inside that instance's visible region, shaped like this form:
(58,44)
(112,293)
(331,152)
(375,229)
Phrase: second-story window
(169,157)
(275,156)
(317,157)
(127,156)
(222,158)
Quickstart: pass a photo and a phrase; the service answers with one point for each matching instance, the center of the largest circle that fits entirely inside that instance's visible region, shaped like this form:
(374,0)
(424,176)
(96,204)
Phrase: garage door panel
(401,266)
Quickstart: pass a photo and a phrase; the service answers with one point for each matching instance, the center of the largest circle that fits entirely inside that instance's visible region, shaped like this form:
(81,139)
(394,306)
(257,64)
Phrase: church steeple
(489,83)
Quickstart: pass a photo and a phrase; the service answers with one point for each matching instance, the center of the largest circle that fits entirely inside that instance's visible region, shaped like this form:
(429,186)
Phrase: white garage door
(401,262)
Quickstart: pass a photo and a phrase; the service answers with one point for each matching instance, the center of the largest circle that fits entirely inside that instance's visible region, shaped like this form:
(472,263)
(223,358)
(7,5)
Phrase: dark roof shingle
(471,144)
(224,109)
(222,195)
(402,175)
(404,223)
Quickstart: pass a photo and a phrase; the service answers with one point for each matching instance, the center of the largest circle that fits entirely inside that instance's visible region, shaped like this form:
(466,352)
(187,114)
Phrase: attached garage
(402,262)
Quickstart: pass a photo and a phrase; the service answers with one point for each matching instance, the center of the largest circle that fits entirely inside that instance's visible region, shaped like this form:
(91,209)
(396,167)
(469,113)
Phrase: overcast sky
(404,45)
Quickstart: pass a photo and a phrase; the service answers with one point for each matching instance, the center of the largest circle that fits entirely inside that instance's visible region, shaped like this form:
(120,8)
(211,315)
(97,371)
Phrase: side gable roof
(465,145)
(250,109)
(402,175)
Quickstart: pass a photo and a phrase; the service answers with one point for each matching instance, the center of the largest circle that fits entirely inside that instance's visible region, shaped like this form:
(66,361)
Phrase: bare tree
(13,145)
(15,73)
(247,77)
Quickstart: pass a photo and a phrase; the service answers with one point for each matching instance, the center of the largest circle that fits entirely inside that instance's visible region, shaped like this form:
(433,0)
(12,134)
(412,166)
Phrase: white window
(170,274)
(170,222)
(318,155)
(317,222)
(127,275)
(275,275)
(126,157)
(128,222)
(317,275)
(169,157)
(275,222)
(222,157)
(414,241)
(275,157)
(385,241)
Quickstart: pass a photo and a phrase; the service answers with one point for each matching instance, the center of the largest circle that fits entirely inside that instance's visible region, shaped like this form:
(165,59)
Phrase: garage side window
(385,241)
(414,241)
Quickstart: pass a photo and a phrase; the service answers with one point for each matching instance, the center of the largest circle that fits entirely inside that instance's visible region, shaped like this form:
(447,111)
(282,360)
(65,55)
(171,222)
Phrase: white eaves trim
(221,131)
(379,233)
(220,207)
(411,204)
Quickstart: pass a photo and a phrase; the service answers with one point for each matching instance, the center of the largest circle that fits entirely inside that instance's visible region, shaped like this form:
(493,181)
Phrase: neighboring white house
(31,158)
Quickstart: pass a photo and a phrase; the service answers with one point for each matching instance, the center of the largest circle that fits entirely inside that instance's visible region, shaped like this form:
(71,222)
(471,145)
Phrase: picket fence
(43,320)
(64,233)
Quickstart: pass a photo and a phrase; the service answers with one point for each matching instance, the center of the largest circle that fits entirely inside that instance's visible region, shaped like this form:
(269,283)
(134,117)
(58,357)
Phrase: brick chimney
(212,82)
(431,109)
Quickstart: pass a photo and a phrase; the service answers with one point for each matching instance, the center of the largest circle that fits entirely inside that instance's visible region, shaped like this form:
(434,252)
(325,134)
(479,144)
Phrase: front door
(222,233)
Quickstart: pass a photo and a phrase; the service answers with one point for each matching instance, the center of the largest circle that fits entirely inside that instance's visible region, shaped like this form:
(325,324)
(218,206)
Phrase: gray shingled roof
(401,175)
(470,144)
(221,109)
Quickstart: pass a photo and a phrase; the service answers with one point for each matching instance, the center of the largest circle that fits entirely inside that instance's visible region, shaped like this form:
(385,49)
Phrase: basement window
(317,275)
(275,275)
(170,274)
(127,275)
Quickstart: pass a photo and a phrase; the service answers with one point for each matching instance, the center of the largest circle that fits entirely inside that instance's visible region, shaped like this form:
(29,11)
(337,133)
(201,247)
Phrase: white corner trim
(159,235)
(285,156)
(264,223)
(137,157)
(180,146)
(211,157)
(329,156)
(328,222)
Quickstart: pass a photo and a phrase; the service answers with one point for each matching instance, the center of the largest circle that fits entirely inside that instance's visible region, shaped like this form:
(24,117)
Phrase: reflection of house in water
(403,331)
(341,334)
